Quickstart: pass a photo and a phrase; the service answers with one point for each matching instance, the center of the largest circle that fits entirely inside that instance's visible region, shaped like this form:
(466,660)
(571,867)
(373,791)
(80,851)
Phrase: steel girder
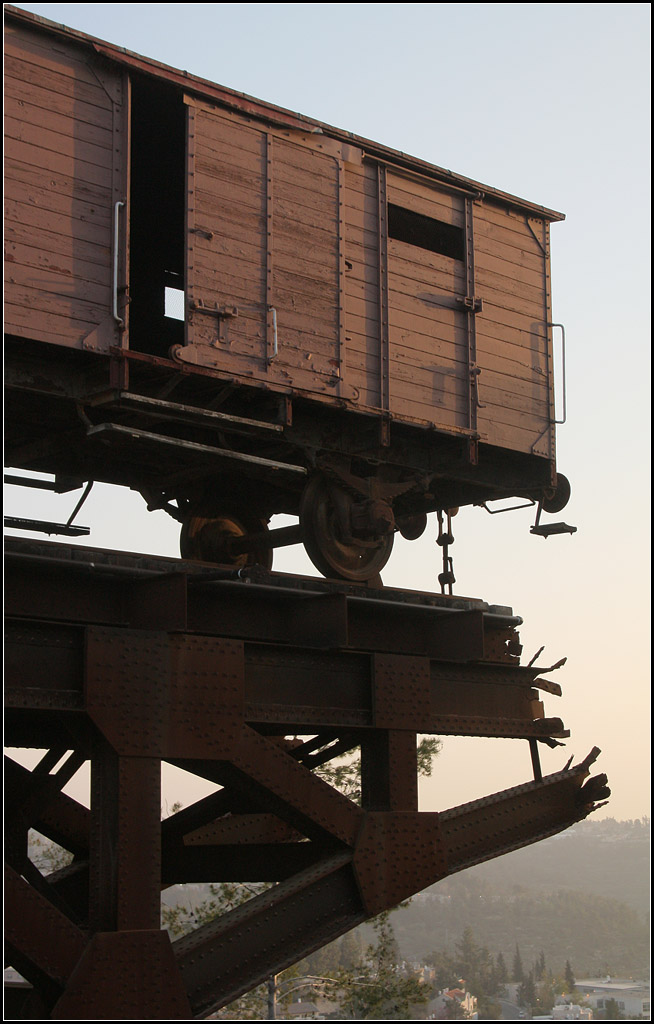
(128,668)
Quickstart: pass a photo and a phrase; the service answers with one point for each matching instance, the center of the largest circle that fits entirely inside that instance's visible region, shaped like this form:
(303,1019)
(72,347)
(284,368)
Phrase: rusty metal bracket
(220,311)
(471,303)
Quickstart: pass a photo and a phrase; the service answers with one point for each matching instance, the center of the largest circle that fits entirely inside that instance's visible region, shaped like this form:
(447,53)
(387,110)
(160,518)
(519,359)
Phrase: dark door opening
(158,204)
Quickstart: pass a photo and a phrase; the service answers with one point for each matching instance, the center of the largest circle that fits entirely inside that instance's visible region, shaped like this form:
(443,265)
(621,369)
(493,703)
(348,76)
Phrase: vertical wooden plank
(551,433)
(341,349)
(361,225)
(271,312)
(470,307)
(122,194)
(189,225)
(384,337)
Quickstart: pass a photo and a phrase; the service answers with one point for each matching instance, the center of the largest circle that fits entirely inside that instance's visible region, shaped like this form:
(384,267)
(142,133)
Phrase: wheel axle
(284,537)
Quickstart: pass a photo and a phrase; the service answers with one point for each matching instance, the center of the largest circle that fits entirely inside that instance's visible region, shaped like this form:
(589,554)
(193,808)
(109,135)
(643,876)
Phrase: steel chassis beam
(128,661)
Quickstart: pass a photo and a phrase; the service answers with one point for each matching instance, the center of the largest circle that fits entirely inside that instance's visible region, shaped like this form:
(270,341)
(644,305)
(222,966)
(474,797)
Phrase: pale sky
(551,103)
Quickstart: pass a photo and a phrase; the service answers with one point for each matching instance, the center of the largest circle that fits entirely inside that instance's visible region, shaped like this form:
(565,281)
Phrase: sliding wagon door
(226,243)
(513,330)
(427,345)
(305,262)
(263,258)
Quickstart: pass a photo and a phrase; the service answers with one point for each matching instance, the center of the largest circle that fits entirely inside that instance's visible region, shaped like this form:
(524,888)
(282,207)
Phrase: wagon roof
(270,112)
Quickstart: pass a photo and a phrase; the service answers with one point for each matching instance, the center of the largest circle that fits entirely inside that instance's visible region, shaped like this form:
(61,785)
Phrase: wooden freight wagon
(239,311)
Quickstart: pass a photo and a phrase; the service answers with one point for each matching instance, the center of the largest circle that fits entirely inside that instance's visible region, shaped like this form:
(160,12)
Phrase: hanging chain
(445,537)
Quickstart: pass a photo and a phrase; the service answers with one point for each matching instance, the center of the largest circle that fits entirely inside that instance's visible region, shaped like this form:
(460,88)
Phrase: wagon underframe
(204,445)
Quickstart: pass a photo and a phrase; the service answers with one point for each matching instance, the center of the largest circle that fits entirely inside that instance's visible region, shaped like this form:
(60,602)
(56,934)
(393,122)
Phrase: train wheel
(329,551)
(208,538)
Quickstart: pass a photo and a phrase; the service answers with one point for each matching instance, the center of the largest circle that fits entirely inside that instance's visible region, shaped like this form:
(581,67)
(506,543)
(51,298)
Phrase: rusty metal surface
(396,851)
(195,692)
(330,684)
(184,692)
(36,802)
(46,943)
(389,770)
(125,975)
(189,598)
(402,690)
(317,905)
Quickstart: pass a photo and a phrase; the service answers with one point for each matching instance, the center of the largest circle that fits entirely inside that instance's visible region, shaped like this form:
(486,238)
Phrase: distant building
(632,997)
(571,1011)
(437,1007)
(301,1010)
(567,1012)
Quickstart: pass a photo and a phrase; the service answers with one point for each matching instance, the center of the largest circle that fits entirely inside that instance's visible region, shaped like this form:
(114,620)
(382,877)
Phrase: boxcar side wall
(65,169)
(314,267)
(311,265)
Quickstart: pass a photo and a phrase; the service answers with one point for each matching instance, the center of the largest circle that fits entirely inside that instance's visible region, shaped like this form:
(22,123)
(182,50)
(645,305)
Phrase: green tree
(539,967)
(526,995)
(518,971)
(429,748)
(345,773)
(476,965)
(501,971)
(45,854)
(349,950)
(454,1010)
(376,989)
(569,977)
(469,955)
(446,975)
(488,1008)
(612,1011)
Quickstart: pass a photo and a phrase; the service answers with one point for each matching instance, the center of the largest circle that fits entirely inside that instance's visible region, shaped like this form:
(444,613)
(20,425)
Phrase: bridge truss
(253,682)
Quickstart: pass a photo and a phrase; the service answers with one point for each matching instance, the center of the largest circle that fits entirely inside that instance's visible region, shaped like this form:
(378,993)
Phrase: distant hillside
(607,858)
(597,935)
(582,896)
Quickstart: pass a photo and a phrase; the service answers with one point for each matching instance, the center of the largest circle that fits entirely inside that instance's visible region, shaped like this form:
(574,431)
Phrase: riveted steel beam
(184,688)
(395,855)
(125,975)
(128,662)
(45,943)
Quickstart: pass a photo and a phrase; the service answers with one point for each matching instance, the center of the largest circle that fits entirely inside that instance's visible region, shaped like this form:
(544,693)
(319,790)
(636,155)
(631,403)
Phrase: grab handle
(275,350)
(119,320)
(562,329)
